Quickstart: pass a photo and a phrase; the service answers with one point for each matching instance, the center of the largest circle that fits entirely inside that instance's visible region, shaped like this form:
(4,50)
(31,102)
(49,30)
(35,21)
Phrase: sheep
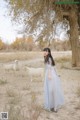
(13,66)
(34,71)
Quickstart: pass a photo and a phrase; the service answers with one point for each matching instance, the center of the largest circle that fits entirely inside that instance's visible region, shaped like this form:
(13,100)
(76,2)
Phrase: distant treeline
(28,44)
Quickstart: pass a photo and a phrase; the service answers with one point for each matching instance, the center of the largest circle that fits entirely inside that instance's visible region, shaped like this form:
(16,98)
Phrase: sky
(8,31)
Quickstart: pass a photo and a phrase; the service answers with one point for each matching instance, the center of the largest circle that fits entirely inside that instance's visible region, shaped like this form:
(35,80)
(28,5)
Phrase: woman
(53,95)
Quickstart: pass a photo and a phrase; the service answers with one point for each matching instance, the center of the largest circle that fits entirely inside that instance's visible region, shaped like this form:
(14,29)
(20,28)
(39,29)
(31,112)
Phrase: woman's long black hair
(46,58)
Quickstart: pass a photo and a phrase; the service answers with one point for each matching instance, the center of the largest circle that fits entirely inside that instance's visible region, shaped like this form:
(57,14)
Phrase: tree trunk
(74,38)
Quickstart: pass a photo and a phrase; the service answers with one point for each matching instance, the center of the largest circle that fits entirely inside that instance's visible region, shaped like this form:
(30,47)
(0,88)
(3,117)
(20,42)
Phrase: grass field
(23,99)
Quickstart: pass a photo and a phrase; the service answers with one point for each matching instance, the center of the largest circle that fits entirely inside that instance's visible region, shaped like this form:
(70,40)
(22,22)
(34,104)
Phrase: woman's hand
(49,77)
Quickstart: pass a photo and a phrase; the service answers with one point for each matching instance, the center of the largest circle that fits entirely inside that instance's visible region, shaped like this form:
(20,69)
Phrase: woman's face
(45,53)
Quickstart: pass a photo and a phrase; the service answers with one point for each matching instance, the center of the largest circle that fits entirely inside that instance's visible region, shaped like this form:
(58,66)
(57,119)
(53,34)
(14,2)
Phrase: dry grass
(17,111)
(34,111)
(3,82)
(11,56)
(14,112)
(15,100)
(26,87)
(11,92)
(78,95)
(63,59)
(33,108)
(78,92)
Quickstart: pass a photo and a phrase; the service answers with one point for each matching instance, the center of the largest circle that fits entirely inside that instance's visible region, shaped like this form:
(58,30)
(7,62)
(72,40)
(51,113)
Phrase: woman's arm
(49,69)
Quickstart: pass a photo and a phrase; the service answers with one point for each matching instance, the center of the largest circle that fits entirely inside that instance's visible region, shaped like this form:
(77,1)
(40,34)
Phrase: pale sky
(7,30)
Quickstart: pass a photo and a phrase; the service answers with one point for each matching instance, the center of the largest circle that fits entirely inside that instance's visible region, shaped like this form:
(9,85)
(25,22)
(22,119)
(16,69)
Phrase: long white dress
(53,94)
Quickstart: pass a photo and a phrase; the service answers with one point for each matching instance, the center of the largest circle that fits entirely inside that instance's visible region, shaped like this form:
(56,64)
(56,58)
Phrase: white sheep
(12,66)
(34,72)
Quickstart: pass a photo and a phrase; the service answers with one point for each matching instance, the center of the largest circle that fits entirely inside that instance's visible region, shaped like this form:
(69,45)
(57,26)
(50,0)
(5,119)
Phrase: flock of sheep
(30,70)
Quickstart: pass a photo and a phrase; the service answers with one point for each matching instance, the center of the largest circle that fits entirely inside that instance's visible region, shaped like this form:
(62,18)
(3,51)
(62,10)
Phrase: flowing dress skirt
(53,94)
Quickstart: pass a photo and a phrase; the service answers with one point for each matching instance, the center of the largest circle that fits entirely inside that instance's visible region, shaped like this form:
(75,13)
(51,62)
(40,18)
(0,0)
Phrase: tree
(29,43)
(17,44)
(74,37)
(23,44)
(40,14)
(2,45)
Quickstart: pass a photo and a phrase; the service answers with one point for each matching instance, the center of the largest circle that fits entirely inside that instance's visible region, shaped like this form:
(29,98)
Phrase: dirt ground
(23,99)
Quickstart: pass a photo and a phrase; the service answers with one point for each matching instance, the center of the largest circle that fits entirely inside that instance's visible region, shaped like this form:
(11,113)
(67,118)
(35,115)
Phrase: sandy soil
(18,93)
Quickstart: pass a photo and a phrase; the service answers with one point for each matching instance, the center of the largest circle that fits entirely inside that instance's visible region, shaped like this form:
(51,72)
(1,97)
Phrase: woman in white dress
(53,94)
